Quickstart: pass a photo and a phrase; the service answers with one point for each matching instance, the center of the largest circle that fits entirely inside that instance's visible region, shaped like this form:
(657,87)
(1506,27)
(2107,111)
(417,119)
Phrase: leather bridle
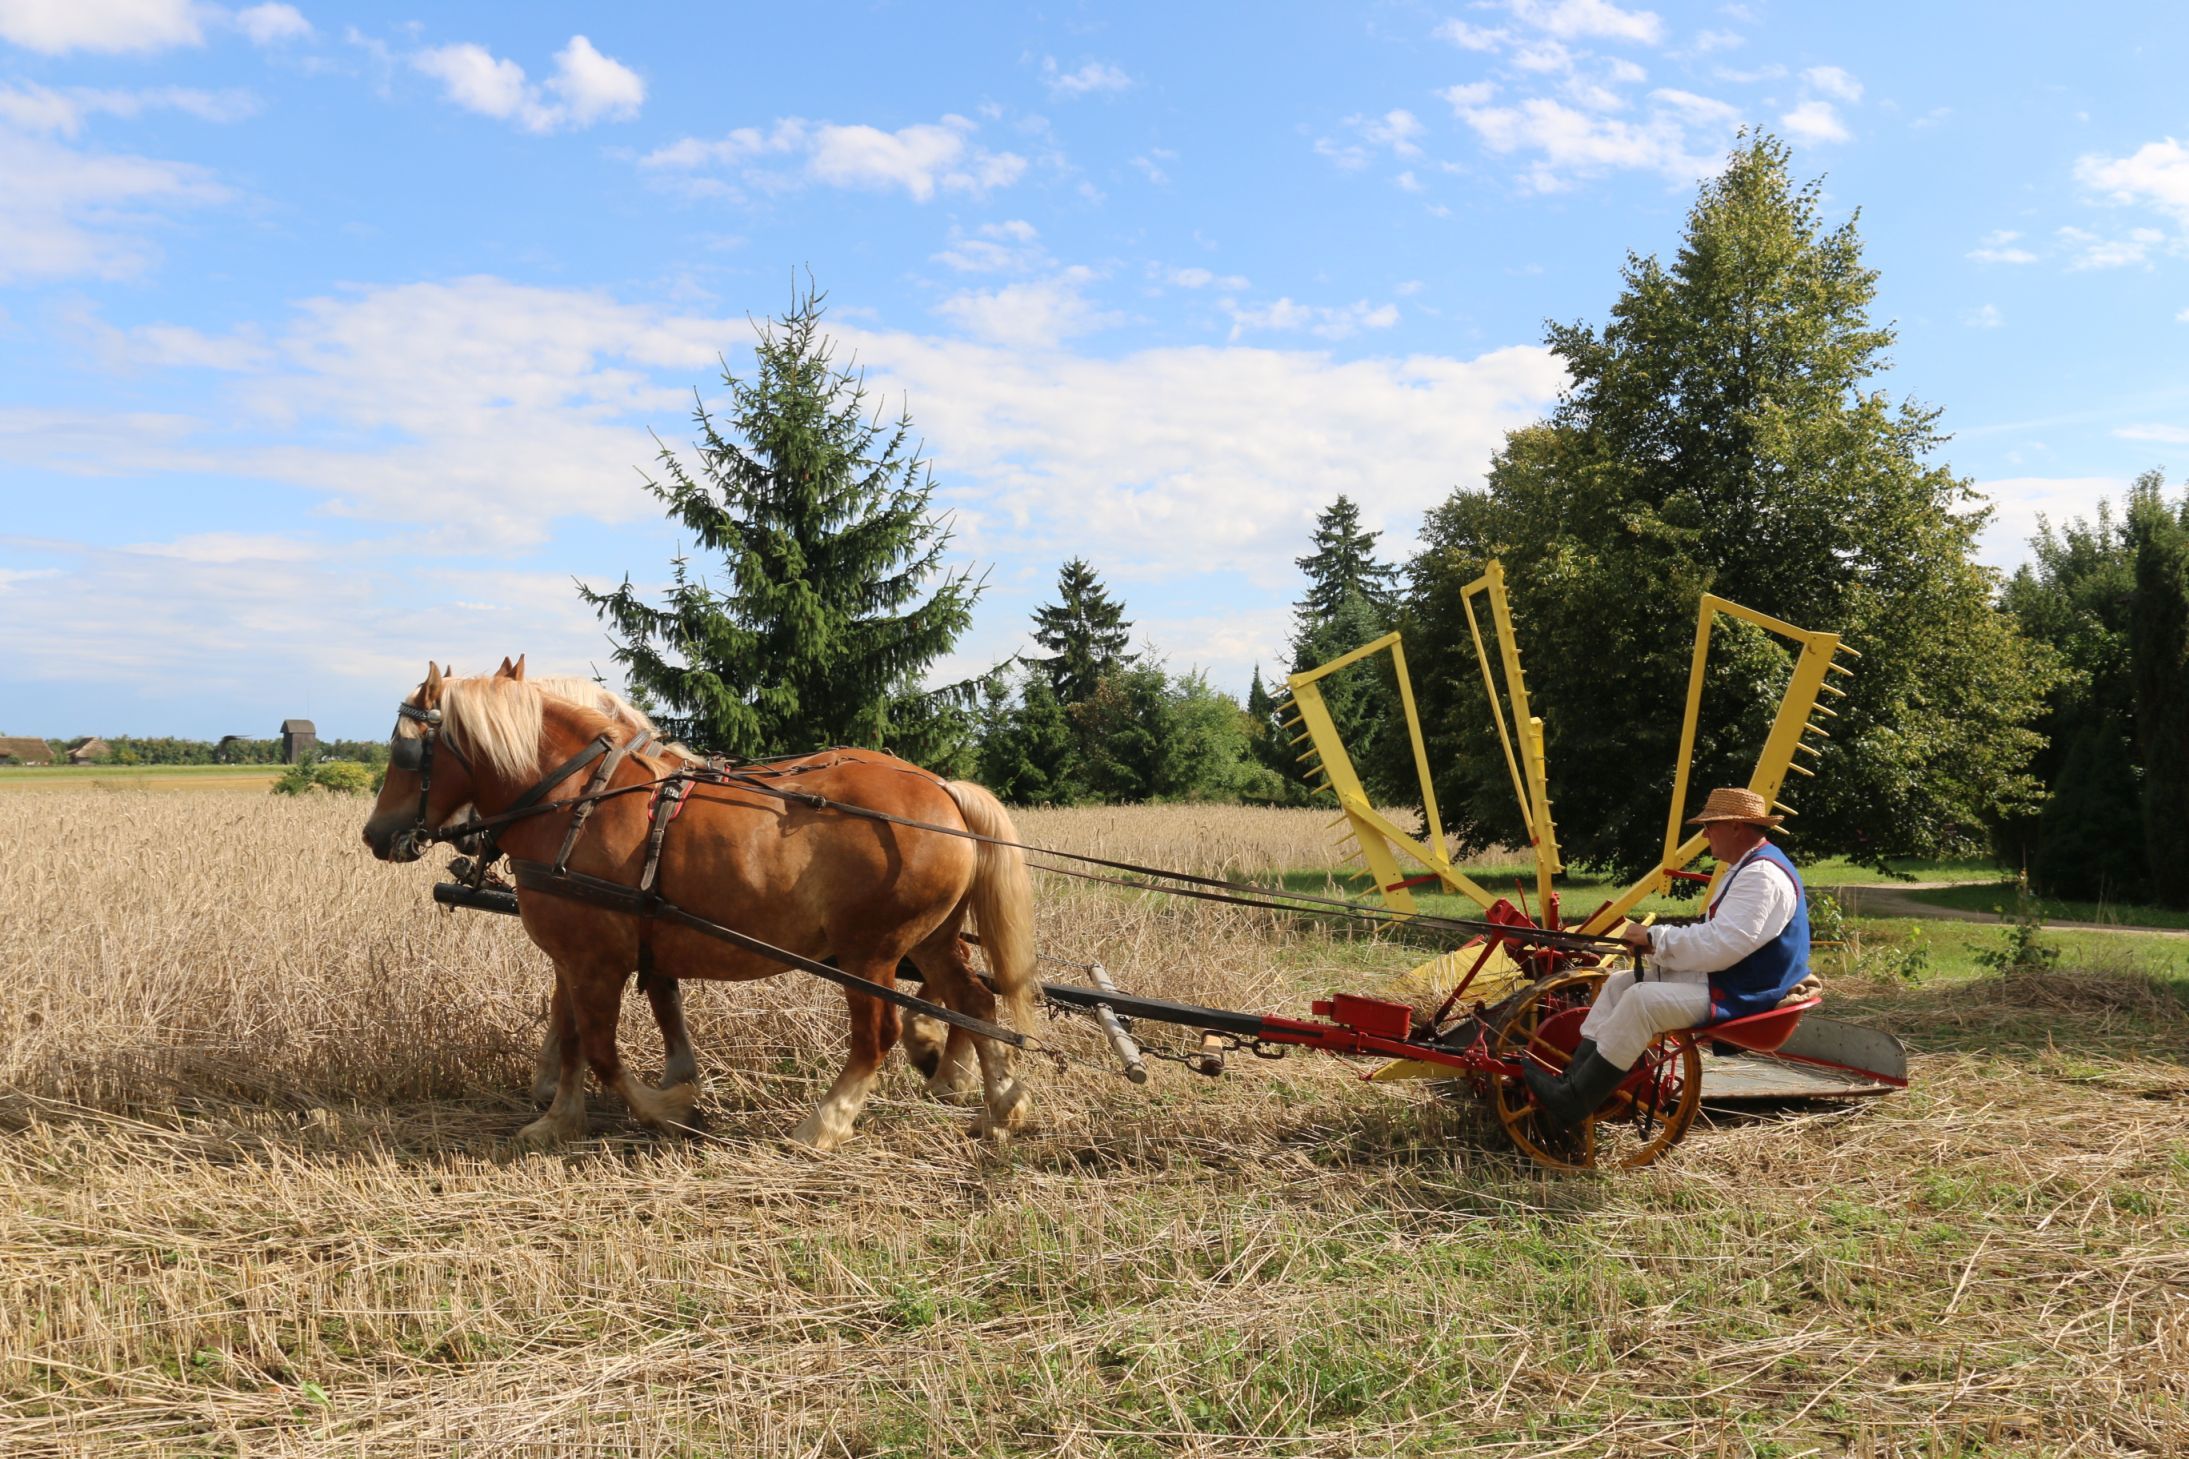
(415,753)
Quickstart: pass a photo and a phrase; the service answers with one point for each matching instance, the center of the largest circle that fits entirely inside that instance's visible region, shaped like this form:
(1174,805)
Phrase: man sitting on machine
(1747,953)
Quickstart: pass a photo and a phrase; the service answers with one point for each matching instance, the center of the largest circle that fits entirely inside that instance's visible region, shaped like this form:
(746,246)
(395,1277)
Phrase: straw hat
(1728,803)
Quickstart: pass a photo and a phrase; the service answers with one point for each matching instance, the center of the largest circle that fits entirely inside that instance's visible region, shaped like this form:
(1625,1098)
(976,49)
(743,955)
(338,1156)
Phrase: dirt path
(1892,900)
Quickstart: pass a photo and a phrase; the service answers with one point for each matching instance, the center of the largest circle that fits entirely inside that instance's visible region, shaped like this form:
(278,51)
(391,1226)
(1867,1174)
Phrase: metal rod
(1121,1042)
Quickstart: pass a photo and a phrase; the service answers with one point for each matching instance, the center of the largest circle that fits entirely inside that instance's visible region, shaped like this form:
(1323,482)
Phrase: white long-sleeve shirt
(1754,902)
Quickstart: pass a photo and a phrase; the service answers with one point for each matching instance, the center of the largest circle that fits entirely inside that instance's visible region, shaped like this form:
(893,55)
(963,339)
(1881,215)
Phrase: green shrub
(343,777)
(296,779)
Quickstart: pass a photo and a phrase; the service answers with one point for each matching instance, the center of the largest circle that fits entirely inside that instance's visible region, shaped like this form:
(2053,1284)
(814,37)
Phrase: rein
(1202,888)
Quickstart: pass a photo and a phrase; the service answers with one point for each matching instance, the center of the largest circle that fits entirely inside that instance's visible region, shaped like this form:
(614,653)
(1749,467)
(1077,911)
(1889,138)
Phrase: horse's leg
(923,1043)
(596,1000)
(943,1053)
(950,976)
(874,1028)
(547,1064)
(565,1117)
(679,1064)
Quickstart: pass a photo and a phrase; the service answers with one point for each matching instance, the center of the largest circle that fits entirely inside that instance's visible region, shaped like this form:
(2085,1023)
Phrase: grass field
(137,777)
(1999,897)
(256,1198)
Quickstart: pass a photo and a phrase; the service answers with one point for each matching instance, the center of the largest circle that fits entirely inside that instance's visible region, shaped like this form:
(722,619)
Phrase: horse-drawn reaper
(629,855)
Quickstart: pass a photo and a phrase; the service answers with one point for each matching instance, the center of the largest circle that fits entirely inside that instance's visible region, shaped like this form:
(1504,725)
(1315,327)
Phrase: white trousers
(1627,1014)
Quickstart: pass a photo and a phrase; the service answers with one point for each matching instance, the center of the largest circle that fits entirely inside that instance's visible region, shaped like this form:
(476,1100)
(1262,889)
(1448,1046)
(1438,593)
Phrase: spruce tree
(1723,433)
(1344,565)
(1351,599)
(1084,631)
(823,613)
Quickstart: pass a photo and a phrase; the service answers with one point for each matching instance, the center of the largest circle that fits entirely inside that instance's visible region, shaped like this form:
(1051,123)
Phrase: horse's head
(429,776)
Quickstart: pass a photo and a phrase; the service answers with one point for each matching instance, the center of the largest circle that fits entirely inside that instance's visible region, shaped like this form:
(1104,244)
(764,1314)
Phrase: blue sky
(331,339)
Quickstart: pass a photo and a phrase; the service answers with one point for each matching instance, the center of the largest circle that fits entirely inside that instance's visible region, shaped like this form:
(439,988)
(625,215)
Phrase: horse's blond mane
(496,720)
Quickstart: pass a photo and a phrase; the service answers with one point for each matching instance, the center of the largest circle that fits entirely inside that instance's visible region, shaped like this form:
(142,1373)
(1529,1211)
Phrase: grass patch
(137,777)
(1999,897)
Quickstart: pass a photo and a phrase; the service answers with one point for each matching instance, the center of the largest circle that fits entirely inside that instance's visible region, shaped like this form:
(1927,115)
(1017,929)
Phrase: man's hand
(1636,938)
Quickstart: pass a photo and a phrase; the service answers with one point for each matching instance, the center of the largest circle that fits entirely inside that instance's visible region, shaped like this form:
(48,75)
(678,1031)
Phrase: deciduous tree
(1722,433)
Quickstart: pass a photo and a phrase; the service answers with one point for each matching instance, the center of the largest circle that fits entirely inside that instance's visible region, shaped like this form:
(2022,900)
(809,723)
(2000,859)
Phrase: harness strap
(614,896)
(590,798)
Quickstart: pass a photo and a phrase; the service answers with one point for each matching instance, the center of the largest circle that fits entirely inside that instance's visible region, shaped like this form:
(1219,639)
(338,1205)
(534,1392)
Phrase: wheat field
(257,1198)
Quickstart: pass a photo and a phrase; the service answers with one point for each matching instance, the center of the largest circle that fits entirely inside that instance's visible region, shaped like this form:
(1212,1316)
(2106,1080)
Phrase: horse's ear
(516,670)
(503,671)
(433,676)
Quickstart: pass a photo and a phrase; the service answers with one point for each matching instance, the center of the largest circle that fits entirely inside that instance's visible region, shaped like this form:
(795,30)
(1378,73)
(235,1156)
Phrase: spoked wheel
(1644,1117)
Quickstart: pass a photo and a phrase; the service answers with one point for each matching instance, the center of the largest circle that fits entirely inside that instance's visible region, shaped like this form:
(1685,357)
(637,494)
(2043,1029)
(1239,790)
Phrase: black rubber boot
(1570,1098)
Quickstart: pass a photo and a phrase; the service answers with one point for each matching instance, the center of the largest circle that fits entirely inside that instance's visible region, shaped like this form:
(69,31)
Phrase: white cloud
(9,576)
(1474,93)
(2093,251)
(56,27)
(1394,130)
(1144,459)
(262,626)
(2182,318)
(2155,175)
(34,108)
(227,547)
(272,25)
(1542,55)
(2000,247)
(587,86)
(1678,138)
(1590,19)
(1323,321)
(593,86)
(1007,247)
(1201,278)
(1471,37)
(919,159)
(2166,435)
(1833,82)
(1718,40)
(2018,501)
(1815,121)
(1036,315)
(1984,317)
(73,214)
(1090,78)
(476,413)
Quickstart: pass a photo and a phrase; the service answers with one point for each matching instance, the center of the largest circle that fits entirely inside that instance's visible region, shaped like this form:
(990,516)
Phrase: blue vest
(1758,981)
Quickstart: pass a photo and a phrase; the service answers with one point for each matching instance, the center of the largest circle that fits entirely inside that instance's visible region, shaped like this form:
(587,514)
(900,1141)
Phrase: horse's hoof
(953,1085)
(1003,1114)
(546,1132)
(662,1109)
(814,1132)
(543,1089)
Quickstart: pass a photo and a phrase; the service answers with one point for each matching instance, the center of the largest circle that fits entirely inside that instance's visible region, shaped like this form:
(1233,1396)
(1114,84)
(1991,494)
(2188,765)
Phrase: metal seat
(1759,1033)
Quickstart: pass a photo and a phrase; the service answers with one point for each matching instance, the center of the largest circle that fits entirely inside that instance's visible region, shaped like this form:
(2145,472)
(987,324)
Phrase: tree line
(176,750)
(1722,431)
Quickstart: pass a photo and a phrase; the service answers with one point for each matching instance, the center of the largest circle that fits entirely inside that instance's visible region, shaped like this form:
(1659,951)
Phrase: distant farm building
(88,750)
(25,751)
(299,737)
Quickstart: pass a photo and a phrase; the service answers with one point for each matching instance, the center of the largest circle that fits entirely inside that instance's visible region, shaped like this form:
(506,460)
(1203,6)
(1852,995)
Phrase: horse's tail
(1003,900)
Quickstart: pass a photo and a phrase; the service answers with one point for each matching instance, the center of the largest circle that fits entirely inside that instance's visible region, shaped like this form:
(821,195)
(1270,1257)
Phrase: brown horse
(810,880)
(948,1062)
